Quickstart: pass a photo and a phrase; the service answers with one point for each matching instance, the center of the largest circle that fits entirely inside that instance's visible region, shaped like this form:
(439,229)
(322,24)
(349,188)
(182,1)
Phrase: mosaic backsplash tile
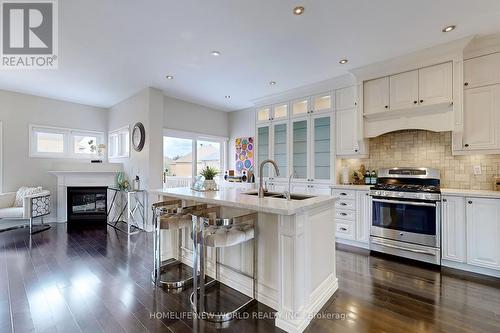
(418,148)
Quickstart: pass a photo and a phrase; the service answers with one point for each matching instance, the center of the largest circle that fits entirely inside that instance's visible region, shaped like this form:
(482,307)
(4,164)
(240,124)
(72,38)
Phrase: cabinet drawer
(345,214)
(345,204)
(344,229)
(343,194)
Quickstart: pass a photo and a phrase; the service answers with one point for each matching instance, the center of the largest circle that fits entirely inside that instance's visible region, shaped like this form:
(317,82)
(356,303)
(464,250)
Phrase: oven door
(415,222)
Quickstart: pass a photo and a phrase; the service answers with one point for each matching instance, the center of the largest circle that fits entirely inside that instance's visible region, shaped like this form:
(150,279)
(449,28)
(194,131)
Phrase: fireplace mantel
(99,176)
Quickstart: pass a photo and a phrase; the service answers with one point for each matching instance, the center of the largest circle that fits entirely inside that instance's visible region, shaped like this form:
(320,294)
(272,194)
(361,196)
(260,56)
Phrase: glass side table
(130,202)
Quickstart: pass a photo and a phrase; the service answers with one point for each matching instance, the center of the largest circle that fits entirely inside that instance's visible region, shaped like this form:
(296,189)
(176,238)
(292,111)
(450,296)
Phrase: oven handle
(413,203)
(403,248)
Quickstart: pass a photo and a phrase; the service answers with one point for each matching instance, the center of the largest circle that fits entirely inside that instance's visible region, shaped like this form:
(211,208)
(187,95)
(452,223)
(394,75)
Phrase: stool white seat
(217,232)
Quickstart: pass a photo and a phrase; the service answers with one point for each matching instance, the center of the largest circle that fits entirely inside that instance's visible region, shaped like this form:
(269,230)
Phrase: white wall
(186,116)
(241,124)
(17,111)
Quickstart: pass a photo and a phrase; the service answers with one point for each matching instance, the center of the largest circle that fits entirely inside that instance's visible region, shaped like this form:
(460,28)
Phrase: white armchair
(34,206)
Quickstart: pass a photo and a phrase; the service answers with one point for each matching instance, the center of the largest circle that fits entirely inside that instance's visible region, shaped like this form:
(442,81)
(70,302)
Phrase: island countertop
(236,198)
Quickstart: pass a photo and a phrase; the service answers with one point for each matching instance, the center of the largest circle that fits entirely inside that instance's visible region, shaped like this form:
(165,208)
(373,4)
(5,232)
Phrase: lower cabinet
(352,216)
(471,232)
(453,241)
(483,232)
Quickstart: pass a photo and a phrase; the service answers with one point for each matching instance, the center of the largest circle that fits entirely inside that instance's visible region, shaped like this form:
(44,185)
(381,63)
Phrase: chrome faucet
(262,188)
(288,194)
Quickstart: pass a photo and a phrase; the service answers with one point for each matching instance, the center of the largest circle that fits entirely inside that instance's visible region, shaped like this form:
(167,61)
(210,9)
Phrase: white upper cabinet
(435,84)
(481,118)
(346,132)
(279,151)
(280,111)
(301,107)
(404,90)
(322,103)
(376,95)
(263,147)
(346,98)
(263,114)
(453,234)
(483,232)
(482,71)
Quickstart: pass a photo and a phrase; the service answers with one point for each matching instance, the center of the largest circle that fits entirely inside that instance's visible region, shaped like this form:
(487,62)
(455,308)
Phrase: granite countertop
(471,193)
(352,187)
(236,198)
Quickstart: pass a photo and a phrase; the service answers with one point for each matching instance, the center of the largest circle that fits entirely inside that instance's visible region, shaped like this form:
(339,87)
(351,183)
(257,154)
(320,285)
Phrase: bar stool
(171,215)
(213,231)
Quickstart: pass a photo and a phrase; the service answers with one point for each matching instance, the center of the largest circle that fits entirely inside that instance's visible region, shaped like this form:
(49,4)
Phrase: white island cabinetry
(296,273)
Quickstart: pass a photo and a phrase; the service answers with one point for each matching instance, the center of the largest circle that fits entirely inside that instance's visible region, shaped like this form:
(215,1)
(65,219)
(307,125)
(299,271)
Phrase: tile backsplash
(418,148)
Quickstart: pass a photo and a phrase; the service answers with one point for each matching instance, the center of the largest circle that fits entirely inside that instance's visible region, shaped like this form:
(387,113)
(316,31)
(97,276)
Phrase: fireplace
(87,206)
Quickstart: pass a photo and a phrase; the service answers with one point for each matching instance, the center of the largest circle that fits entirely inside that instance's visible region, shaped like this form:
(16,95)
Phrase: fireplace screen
(87,204)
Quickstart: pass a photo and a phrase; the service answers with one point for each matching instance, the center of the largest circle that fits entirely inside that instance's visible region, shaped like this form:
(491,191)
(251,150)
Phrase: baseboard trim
(470,268)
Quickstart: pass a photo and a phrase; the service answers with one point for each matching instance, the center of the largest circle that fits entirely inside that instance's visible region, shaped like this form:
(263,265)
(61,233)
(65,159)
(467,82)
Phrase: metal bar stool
(213,231)
(171,215)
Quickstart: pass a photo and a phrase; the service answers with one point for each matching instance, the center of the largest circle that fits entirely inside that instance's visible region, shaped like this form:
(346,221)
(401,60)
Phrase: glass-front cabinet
(300,148)
(272,142)
(263,114)
(321,147)
(280,111)
(263,148)
(301,107)
(322,103)
(280,147)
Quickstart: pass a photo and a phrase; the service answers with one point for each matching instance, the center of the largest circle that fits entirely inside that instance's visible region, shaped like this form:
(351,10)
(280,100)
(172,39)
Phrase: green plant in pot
(209,173)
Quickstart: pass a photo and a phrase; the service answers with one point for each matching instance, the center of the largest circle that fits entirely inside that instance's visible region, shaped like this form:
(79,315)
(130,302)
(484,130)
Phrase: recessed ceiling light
(299,10)
(215,53)
(227,97)
(449,28)
(343,61)
(272,83)
(169,77)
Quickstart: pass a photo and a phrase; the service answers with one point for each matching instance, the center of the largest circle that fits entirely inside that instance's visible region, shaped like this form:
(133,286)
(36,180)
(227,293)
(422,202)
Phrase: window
(186,154)
(55,142)
(119,143)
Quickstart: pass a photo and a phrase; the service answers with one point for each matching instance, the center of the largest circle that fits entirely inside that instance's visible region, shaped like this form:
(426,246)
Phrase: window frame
(68,141)
(195,137)
(117,133)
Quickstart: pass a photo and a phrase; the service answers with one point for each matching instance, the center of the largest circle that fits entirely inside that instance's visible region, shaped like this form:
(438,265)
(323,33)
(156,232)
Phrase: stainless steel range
(406,214)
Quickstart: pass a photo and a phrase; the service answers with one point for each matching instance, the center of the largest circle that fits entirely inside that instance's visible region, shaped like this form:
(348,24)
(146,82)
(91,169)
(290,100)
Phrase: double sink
(278,195)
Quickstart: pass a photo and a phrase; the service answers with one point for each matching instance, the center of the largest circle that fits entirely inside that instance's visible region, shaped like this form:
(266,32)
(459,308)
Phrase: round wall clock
(138,136)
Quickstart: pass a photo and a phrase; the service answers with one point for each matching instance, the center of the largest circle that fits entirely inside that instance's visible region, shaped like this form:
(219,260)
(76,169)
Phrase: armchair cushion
(11,213)
(23,192)
(7,199)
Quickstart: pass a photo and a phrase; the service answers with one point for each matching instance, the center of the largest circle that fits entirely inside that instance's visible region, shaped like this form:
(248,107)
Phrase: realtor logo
(29,34)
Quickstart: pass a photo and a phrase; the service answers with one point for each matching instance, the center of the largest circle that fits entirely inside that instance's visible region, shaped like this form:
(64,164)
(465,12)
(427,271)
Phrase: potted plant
(209,173)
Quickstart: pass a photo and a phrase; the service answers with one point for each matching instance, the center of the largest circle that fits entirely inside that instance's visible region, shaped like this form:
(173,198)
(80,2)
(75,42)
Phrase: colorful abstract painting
(244,154)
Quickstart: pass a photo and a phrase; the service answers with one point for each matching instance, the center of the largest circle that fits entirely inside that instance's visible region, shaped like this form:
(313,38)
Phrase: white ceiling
(110,49)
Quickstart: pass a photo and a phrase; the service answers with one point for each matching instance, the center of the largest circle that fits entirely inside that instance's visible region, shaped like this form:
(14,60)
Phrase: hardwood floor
(90,281)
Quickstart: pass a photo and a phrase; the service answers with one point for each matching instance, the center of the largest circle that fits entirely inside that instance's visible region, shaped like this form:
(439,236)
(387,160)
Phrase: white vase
(210,185)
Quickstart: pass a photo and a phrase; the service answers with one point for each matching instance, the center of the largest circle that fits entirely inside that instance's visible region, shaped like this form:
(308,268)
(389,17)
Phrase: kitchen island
(296,251)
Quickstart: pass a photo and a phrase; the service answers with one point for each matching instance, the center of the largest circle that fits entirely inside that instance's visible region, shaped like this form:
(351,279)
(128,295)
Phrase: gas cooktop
(407,188)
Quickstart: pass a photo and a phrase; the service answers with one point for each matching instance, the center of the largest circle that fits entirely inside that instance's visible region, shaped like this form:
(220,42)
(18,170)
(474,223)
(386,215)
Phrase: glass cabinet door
(280,111)
(322,103)
(300,148)
(300,107)
(263,114)
(280,148)
(321,146)
(262,148)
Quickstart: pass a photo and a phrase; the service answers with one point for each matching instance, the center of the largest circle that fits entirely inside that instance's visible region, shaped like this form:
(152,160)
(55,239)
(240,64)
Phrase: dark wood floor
(96,282)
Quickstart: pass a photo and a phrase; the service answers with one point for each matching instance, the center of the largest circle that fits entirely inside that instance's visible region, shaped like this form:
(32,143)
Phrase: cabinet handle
(312,111)
(466,84)
(355,150)
(421,101)
(343,229)
(355,103)
(466,145)
(470,202)
(343,193)
(387,106)
(343,204)
(343,214)
(444,200)
(415,102)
